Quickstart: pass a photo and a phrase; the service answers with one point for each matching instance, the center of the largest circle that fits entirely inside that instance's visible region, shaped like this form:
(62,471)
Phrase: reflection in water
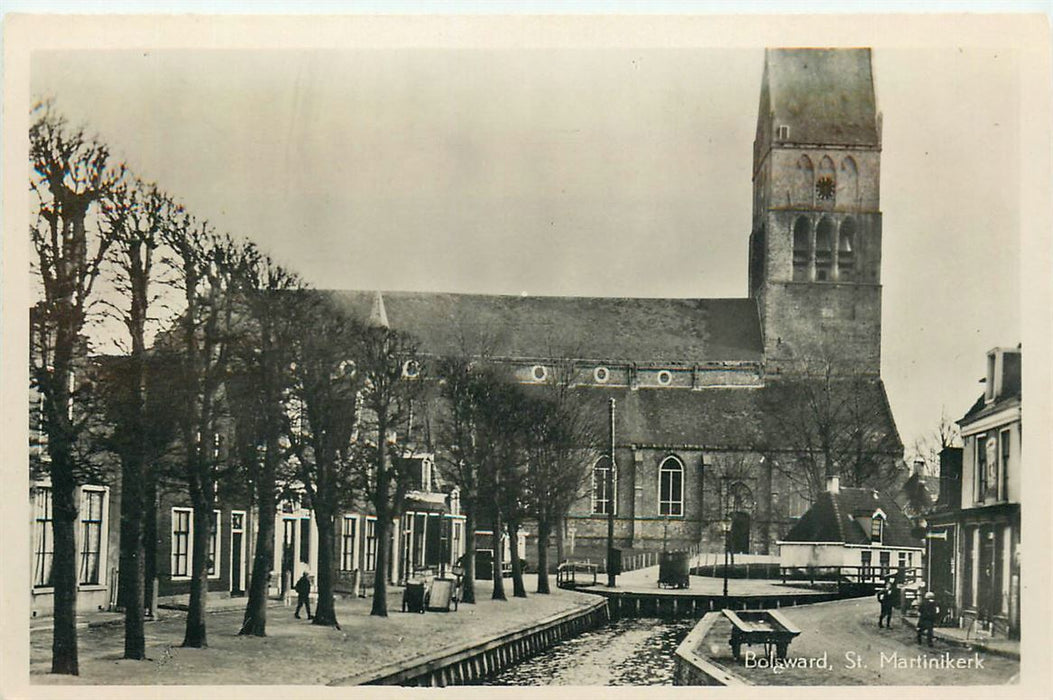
(626,652)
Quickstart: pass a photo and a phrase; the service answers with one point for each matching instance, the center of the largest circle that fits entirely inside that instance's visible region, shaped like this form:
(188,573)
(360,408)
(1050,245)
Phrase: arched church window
(848,183)
(846,251)
(671,487)
(601,497)
(801,248)
(824,248)
(804,182)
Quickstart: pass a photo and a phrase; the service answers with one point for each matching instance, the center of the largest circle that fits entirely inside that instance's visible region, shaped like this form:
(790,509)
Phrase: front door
(237,533)
(987,602)
(740,533)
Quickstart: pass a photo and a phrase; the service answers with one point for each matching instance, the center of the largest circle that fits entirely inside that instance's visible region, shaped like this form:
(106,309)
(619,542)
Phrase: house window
(347,543)
(45,549)
(1003,442)
(782,132)
(213,563)
(601,498)
(801,249)
(181,529)
(981,467)
(884,558)
(865,561)
(90,536)
(371,544)
(877,527)
(671,487)
(903,560)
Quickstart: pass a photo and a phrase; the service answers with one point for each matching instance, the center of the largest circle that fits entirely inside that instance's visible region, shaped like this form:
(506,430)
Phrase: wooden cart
(767,627)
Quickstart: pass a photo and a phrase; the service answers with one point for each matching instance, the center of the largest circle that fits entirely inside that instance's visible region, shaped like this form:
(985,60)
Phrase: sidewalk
(1009,648)
(296,652)
(103,618)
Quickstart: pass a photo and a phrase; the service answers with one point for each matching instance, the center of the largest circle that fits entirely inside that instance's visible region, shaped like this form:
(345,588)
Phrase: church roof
(834,518)
(823,95)
(609,329)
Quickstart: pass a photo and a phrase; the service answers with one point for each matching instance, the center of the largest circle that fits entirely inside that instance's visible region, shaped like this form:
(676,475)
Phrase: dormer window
(782,132)
(877,527)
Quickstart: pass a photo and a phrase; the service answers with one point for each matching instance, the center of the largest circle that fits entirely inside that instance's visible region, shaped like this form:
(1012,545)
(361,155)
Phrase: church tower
(815,249)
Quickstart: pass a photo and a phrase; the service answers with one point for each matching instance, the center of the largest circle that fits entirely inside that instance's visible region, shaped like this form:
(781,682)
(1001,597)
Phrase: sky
(573,171)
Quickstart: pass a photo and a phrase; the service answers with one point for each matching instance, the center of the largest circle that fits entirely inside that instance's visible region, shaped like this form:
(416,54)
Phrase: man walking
(927,612)
(303,595)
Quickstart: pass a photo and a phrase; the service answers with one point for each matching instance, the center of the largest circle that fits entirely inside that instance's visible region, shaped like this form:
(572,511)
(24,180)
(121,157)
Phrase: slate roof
(832,518)
(823,95)
(610,329)
(714,417)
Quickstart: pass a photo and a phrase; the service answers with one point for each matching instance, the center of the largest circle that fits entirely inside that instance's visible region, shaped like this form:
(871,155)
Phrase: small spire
(378,317)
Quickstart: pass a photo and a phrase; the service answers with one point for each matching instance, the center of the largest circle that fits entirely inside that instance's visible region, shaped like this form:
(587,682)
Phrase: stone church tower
(815,249)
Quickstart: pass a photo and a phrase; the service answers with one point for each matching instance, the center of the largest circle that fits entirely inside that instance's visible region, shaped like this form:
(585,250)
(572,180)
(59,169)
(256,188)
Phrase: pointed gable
(836,517)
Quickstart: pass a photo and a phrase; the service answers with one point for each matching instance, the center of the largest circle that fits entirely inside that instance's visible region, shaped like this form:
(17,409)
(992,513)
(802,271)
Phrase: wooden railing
(567,574)
(852,574)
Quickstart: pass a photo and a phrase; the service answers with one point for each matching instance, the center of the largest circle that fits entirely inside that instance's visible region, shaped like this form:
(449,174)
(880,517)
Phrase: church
(729,413)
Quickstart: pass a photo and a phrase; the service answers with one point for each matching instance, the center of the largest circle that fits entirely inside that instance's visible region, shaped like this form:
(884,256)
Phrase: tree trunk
(518,589)
(468,584)
(380,577)
(561,555)
(130,585)
(543,533)
(325,612)
(195,617)
(150,541)
(255,620)
(499,582)
(64,572)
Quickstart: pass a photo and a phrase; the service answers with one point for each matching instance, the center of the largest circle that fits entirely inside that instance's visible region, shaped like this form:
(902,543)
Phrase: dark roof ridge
(499,295)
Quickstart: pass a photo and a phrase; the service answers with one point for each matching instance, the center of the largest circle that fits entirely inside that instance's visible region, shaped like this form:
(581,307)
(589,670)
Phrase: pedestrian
(887,599)
(927,612)
(303,595)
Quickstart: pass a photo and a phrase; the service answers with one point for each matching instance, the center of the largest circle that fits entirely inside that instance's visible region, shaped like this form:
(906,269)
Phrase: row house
(974,530)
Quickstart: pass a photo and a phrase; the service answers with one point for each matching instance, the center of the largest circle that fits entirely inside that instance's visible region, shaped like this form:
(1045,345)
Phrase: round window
(411,368)
(601,374)
(665,377)
(539,373)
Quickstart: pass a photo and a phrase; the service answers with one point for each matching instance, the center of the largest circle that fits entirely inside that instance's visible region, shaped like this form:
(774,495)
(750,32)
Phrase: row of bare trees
(232,372)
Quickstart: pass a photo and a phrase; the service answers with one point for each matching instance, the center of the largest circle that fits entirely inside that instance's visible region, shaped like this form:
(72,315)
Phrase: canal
(625,652)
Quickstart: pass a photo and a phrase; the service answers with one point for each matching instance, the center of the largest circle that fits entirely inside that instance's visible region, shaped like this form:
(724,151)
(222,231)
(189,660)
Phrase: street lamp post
(725,528)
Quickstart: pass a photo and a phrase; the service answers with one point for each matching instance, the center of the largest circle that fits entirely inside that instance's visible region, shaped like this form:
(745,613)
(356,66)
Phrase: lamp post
(610,505)
(725,528)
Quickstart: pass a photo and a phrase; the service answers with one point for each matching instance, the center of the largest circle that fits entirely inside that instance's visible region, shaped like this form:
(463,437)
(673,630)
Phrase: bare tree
(565,440)
(927,448)
(206,265)
(270,300)
(322,407)
(388,398)
(135,214)
(71,173)
(831,423)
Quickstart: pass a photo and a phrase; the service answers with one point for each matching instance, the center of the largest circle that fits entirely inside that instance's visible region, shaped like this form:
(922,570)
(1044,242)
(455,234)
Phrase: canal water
(625,652)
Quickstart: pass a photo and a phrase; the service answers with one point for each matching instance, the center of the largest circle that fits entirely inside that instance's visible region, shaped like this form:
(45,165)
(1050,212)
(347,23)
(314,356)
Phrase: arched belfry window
(846,251)
(848,183)
(671,487)
(602,498)
(802,244)
(804,182)
(824,249)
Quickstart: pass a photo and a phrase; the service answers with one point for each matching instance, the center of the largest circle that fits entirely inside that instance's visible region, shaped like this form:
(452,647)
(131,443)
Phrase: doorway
(740,533)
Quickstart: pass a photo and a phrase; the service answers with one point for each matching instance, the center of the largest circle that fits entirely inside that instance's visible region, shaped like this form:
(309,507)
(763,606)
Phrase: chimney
(833,484)
(919,468)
